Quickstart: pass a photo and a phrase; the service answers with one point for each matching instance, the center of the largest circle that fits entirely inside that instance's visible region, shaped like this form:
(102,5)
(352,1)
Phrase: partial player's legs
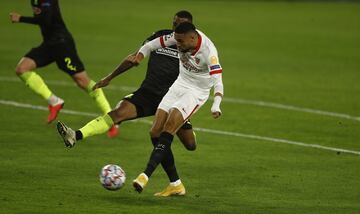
(174,121)
(24,70)
(162,153)
(160,118)
(124,111)
(85,83)
(181,103)
(158,124)
(187,136)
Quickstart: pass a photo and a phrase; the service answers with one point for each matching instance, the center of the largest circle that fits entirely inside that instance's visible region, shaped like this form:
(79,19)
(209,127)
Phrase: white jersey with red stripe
(200,69)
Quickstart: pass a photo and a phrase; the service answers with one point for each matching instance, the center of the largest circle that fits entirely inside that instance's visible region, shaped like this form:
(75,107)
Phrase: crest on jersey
(197,60)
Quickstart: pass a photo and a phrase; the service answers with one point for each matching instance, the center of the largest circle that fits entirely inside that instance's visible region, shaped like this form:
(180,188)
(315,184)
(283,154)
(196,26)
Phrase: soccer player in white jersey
(199,72)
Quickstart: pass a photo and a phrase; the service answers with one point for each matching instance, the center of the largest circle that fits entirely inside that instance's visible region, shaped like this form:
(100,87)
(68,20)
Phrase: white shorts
(186,100)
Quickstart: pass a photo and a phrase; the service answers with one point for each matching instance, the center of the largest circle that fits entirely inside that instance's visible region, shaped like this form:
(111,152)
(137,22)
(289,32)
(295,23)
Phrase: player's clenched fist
(101,83)
(14,17)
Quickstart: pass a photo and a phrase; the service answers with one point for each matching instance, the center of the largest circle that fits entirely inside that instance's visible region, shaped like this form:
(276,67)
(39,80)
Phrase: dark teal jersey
(163,67)
(48,16)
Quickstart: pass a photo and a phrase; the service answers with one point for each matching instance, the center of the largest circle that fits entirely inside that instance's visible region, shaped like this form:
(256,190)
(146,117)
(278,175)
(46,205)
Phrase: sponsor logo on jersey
(168,52)
(160,146)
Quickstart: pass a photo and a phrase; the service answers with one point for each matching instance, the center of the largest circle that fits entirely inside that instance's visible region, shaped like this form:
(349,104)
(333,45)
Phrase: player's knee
(191,147)
(120,114)
(81,83)
(115,116)
(155,132)
(20,69)
(189,143)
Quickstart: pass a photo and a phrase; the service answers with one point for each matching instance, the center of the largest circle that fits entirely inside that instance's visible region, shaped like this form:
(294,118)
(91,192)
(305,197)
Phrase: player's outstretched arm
(218,95)
(159,42)
(125,65)
(215,72)
(17,18)
(42,15)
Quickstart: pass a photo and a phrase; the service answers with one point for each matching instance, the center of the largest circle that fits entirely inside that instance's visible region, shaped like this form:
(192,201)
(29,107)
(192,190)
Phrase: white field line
(212,131)
(67,83)
(226,99)
(289,107)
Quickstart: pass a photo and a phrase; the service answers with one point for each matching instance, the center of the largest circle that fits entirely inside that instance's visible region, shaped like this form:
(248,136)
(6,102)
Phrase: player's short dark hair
(34,3)
(184,14)
(185,27)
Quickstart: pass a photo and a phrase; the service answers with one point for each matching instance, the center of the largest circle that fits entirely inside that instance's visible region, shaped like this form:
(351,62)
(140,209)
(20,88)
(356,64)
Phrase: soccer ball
(112,177)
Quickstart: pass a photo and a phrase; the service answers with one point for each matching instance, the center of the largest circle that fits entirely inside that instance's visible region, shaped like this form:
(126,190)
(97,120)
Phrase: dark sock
(160,151)
(78,135)
(168,163)
(154,141)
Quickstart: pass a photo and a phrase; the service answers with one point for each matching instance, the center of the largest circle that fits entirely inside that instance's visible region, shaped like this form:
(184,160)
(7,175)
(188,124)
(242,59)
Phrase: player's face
(178,20)
(36,10)
(185,42)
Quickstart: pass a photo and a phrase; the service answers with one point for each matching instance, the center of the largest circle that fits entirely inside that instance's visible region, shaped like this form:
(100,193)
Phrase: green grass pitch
(300,54)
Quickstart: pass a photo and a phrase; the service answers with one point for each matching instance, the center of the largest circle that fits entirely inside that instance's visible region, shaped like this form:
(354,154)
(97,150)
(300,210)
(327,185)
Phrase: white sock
(54,100)
(175,183)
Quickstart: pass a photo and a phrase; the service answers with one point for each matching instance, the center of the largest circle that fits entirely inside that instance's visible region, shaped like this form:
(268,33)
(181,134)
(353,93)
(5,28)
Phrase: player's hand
(101,83)
(14,17)
(215,108)
(216,114)
(215,111)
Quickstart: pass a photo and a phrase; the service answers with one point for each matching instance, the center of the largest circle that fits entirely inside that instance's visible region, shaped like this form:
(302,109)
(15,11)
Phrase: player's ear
(192,37)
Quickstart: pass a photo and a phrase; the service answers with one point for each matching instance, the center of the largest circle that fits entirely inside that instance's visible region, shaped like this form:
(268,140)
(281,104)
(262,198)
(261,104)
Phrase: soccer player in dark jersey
(58,46)
(163,69)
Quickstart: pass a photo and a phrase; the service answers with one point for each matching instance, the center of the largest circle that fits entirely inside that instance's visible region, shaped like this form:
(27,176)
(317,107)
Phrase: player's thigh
(145,101)
(36,58)
(171,97)
(125,110)
(82,79)
(188,104)
(158,123)
(66,57)
(174,121)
